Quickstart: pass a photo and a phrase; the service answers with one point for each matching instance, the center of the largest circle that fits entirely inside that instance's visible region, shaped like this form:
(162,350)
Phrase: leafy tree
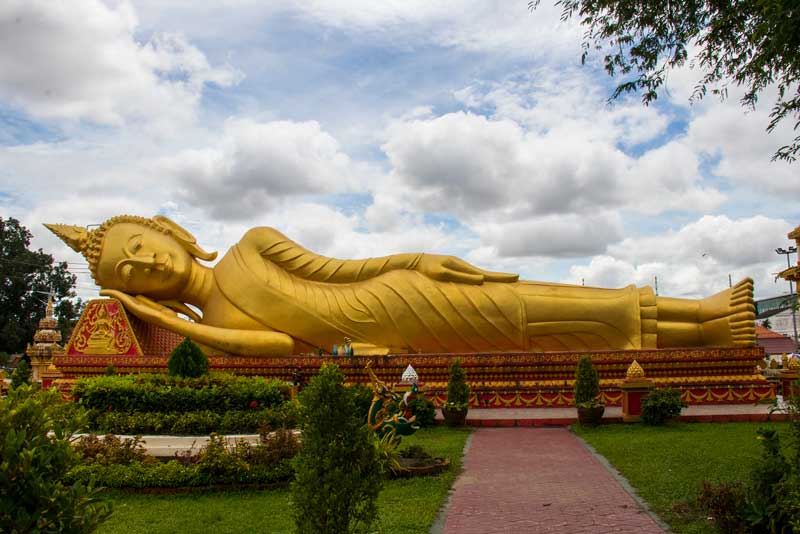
(22,374)
(25,278)
(749,43)
(338,473)
(187,360)
(36,427)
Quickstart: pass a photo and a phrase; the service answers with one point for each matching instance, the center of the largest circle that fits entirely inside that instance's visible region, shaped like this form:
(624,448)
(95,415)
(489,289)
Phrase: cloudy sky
(364,128)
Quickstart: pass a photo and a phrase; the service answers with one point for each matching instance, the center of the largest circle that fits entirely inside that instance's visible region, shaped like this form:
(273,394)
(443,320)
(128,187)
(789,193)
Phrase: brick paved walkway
(531,480)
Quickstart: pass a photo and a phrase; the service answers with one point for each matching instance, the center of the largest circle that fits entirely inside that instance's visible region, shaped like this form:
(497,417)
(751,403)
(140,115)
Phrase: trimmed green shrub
(661,406)
(22,374)
(457,387)
(587,383)
(218,393)
(187,360)
(194,423)
(111,370)
(35,456)
(338,475)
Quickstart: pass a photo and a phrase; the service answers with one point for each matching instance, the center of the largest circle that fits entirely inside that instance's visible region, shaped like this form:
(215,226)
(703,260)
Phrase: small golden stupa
(634,371)
(46,344)
(794,363)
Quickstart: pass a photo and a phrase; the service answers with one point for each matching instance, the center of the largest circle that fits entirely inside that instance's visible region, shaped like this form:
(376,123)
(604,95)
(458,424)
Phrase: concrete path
(532,480)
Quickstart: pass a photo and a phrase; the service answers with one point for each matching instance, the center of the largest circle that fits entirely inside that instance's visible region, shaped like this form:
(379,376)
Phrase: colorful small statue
(390,413)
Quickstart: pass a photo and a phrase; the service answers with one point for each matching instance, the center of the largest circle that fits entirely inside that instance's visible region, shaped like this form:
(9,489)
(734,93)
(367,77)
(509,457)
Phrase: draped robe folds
(405,310)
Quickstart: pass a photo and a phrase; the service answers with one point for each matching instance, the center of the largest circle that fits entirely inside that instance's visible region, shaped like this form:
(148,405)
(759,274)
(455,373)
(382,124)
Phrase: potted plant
(457,405)
(587,389)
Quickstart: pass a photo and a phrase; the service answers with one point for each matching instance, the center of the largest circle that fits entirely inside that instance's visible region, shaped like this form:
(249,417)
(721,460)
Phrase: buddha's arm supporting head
(153,257)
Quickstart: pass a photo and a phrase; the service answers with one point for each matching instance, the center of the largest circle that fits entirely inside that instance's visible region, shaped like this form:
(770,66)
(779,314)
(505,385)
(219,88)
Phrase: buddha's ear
(185,238)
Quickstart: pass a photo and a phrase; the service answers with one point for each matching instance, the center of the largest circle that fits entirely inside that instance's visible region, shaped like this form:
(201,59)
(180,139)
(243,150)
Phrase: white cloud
(469,165)
(80,61)
(696,259)
(256,165)
(569,235)
(470,25)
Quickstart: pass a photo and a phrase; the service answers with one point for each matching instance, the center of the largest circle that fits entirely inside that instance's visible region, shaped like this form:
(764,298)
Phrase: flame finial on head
(89,242)
(74,236)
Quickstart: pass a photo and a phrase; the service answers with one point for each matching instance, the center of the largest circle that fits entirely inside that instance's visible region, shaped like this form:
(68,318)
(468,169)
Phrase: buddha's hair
(90,242)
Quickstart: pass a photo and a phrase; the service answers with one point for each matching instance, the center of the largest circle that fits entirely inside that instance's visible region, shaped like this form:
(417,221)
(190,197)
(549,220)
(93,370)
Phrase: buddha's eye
(134,245)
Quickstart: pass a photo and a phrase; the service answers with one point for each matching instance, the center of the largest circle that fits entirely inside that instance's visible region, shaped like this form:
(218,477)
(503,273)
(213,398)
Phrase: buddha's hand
(452,269)
(144,308)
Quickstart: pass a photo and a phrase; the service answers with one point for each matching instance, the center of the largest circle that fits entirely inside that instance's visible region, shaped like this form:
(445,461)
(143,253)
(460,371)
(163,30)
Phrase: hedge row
(173,474)
(193,423)
(217,393)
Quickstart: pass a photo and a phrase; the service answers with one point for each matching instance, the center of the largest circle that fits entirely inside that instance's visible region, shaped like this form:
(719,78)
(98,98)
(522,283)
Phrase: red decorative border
(714,375)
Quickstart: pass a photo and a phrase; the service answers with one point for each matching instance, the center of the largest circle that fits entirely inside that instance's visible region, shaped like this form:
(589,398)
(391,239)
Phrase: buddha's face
(140,260)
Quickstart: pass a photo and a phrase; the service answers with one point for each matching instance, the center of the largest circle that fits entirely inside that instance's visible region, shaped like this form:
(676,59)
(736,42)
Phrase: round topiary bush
(662,405)
(187,360)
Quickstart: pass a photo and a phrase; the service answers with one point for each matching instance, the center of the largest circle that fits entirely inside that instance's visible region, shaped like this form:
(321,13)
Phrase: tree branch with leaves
(753,44)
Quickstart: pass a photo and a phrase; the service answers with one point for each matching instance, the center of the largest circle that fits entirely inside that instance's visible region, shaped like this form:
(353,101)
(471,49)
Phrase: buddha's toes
(728,317)
(732,301)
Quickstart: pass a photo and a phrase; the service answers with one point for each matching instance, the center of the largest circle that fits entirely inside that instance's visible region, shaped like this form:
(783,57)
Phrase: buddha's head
(153,257)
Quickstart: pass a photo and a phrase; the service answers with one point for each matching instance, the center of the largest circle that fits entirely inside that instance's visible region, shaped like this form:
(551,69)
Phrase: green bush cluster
(363,398)
(193,423)
(338,473)
(187,360)
(424,409)
(218,463)
(661,406)
(111,449)
(769,501)
(35,456)
(22,374)
(166,394)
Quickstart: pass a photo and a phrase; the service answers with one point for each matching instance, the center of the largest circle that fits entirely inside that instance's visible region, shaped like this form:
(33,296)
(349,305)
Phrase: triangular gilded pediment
(103,328)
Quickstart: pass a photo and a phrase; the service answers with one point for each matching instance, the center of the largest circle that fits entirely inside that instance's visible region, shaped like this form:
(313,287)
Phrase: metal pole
(794,301)
(792,298)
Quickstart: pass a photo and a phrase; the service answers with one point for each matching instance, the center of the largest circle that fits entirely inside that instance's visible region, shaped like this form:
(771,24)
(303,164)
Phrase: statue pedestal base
(633,393)
(499,380)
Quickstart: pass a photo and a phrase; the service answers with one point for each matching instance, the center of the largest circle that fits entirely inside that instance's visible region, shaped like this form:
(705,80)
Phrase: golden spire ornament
(634,371)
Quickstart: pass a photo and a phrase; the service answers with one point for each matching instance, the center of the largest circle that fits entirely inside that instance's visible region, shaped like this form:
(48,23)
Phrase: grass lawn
(667,465)
(406,506)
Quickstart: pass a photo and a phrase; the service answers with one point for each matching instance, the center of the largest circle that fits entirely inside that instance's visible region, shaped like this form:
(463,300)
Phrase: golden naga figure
(270,296)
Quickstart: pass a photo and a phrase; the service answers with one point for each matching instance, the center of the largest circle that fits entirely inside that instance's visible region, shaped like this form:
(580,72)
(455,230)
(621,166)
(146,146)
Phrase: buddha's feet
(728,318)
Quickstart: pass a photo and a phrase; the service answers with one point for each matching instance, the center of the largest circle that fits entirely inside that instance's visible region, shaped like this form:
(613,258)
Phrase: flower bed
(123,464)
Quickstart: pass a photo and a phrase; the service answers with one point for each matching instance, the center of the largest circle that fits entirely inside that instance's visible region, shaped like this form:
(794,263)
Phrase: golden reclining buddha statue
(269,296)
